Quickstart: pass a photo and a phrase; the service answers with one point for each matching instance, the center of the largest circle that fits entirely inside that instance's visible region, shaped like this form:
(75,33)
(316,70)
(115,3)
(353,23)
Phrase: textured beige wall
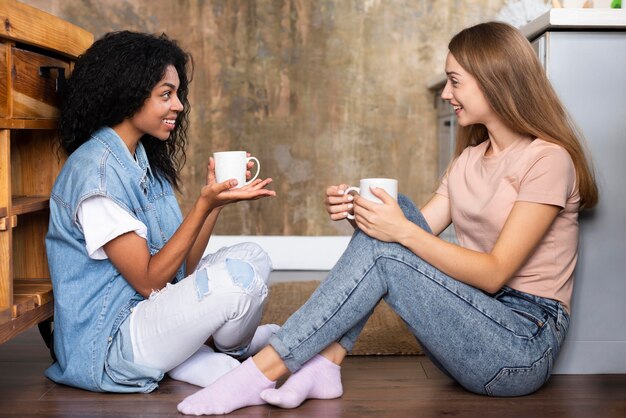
(321,91)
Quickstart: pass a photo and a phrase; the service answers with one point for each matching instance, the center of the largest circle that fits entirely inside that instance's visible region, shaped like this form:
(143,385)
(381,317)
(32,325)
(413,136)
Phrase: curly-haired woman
(134,296)
(491,312)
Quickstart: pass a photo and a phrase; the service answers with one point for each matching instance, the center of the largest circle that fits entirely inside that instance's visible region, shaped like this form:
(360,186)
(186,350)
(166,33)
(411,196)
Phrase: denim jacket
(91,298)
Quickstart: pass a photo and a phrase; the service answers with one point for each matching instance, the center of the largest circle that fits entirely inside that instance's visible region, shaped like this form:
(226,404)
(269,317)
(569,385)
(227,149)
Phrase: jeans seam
(342,302)
(519,370)
(546,309)
(433,279)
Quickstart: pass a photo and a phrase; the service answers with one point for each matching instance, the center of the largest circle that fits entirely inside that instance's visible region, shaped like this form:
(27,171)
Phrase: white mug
(233,165)
(389,185)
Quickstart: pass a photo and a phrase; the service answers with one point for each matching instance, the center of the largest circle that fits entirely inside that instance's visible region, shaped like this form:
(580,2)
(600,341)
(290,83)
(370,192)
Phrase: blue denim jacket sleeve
(92,301)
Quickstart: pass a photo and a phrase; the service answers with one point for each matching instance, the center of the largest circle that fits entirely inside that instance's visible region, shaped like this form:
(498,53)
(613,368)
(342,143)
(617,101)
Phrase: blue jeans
(499,345)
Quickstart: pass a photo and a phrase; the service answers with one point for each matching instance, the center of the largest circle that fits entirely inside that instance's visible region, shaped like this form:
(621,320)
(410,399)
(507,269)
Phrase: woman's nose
(177,105)
(446,93)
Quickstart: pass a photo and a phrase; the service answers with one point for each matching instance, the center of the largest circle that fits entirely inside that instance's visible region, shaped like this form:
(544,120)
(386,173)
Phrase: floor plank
(374,386)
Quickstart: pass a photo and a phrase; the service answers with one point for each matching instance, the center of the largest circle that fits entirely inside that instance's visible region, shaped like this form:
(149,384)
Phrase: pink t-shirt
(482,190)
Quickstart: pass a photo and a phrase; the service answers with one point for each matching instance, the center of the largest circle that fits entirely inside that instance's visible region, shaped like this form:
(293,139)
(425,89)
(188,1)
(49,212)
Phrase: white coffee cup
(389,185)
(233,165)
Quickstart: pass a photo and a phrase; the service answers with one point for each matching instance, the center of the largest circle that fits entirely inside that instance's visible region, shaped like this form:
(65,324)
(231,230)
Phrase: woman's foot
(237,389)
(204,367)
(319,378)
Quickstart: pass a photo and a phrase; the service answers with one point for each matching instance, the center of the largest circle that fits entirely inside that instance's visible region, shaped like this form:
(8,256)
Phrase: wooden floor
(378,386)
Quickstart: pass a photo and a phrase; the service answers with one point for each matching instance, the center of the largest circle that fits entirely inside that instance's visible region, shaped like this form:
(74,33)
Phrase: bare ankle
(335,353)
(270,364)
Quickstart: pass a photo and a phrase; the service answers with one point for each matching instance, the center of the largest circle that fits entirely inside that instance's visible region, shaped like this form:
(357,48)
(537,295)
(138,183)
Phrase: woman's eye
(167,94)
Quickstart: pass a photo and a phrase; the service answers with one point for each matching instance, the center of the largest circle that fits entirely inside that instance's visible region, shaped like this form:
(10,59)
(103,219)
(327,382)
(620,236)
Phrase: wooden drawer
(34,95)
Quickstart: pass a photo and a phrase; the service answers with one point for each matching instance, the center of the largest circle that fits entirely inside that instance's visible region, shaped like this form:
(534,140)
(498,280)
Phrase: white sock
(204,367)
(261,338)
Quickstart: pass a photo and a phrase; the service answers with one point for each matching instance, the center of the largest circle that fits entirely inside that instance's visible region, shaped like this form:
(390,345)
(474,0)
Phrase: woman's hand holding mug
(233,173)
(338,203)
(376,209)
(365,186)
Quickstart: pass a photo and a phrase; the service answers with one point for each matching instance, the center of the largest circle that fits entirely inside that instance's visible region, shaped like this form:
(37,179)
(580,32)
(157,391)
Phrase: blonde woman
(492,311)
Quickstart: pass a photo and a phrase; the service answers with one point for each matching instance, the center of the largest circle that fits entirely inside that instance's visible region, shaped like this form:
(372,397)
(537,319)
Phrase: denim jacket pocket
(519,381)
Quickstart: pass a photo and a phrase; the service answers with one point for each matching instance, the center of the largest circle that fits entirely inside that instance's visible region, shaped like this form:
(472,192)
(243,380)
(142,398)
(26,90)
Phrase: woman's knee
(248,252)
(235,297)
(411,212)
(254,255)
(231,279)
(245,277)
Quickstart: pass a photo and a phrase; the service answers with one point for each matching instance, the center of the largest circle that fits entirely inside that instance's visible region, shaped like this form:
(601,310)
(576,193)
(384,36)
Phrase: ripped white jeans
(223,298)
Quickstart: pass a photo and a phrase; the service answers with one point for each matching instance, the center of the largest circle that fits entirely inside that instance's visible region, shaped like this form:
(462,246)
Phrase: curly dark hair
(112,80)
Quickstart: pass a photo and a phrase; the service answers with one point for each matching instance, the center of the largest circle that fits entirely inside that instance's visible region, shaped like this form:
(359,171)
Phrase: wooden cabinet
(37,51)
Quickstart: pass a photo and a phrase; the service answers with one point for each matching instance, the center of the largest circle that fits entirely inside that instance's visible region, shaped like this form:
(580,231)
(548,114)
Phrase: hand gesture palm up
(220,194)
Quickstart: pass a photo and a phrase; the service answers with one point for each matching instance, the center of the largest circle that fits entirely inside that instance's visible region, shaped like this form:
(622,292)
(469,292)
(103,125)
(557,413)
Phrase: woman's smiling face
(157,117)
(464,94)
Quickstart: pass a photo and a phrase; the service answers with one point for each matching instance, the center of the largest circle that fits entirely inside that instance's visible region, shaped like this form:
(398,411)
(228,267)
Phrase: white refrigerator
(584,55)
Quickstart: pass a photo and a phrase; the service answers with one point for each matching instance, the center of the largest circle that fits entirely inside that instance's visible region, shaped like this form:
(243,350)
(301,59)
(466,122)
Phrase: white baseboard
(291,252)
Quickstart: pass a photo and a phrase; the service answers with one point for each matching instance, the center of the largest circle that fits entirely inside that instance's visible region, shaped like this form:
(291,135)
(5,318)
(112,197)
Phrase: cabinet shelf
(5,315)
(28,123)
(40,290)
(32,300)
(11,328)
(21,305)
(29,164)
(29,204)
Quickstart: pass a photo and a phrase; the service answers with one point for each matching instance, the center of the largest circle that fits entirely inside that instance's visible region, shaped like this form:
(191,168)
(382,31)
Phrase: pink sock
(238,388)
(319,378)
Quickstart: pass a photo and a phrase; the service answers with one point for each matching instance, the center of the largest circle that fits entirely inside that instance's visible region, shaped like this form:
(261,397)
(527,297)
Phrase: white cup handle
(349,189)
(258,169)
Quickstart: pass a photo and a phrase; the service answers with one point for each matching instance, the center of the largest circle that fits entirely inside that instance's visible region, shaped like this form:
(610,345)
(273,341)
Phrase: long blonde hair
(518,90)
